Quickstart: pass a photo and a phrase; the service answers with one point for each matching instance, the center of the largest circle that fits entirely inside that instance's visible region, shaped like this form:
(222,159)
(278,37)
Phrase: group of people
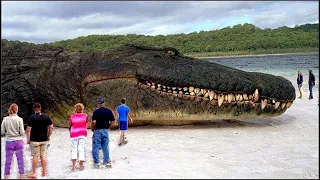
(40,127)
(311,83)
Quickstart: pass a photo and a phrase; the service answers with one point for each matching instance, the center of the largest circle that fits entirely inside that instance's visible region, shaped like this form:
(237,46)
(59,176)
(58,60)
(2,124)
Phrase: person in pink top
(78,134)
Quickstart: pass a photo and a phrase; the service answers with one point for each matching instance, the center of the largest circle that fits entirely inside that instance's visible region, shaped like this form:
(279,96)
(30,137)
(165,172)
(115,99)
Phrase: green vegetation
(237,40)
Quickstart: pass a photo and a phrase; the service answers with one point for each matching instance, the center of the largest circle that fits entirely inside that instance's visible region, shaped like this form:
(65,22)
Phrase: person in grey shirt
(12,127)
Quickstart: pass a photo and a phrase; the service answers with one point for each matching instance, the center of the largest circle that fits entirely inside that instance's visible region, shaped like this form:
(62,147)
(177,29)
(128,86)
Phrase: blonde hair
(78,108)
(13,109)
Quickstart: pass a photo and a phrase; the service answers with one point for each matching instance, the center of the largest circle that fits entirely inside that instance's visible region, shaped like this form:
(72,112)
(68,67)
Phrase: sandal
(31,176)
(44,173)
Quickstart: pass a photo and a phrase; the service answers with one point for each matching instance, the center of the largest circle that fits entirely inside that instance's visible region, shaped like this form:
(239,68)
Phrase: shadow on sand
(262,122)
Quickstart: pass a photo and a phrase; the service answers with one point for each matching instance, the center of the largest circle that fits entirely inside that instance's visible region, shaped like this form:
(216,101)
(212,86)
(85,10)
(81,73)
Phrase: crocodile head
(161,85)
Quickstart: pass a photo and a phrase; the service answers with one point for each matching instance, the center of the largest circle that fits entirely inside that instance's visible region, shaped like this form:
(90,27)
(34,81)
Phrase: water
(286,66)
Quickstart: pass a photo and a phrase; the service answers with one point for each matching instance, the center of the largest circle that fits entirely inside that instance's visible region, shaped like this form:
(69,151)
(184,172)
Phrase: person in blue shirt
(123,115)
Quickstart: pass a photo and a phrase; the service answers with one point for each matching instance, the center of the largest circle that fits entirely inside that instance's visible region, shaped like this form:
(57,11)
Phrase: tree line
(241,37)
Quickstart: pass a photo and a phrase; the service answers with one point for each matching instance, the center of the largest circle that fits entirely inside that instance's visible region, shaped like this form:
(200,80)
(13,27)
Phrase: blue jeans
(100,138)
(310,89)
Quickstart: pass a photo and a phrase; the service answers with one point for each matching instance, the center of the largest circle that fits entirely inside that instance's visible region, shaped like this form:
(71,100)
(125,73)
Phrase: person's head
(310,71)
(299,72)
(78,108)
(13,109)
(37,107)
(100,101)
(123,100)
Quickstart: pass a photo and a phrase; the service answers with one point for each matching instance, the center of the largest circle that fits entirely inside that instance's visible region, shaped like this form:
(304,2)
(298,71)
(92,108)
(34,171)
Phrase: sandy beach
(282,147)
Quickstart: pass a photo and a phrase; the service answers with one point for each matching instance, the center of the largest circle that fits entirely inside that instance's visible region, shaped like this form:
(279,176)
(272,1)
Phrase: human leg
(81,149)
(74,146)
(9,154)
(300,92)
(19,154)
(96,143)
(105,146)
(35,152)
(43,152)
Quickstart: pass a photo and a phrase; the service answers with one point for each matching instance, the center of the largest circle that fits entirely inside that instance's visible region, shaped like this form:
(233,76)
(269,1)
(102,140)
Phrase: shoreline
(251,55)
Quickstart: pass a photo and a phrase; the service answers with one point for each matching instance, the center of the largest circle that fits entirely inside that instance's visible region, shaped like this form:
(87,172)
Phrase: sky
(49,21)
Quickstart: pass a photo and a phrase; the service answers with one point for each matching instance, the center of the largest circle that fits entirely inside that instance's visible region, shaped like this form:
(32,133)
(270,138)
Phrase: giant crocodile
(161,85)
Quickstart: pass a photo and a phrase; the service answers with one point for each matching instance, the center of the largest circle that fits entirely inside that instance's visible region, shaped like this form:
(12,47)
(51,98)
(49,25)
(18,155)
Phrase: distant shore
(250,55)
(267,52)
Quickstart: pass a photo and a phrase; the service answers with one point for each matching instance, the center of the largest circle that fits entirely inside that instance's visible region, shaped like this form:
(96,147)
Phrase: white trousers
(78,147)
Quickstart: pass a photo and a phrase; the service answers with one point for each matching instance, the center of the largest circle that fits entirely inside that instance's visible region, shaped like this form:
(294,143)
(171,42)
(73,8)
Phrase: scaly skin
(161,85)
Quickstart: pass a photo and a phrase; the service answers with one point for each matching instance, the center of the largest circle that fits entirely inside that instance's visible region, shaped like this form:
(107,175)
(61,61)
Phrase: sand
(286,146)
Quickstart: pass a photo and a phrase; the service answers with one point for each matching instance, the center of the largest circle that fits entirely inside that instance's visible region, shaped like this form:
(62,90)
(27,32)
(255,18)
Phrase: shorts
(123,125)
(38,148)
(299,85)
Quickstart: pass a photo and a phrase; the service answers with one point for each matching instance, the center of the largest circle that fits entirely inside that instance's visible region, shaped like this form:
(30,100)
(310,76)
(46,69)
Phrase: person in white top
(12,127)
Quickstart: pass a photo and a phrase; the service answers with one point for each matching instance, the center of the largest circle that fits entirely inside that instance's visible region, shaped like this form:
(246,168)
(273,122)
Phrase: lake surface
(286,66)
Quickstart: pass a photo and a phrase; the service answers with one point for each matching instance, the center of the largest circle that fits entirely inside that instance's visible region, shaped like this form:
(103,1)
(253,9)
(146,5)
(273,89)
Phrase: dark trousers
(310,89)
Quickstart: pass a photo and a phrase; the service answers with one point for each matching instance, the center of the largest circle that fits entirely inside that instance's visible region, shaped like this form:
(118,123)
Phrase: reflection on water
(286,66)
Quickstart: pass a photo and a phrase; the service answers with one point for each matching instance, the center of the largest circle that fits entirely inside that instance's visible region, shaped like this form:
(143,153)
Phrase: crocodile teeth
(206,95)
(169,91)
(211,95)
(256,95)
(283,105)
(174,92)
(288,105)
(191,89)
(164,90)
(148,83)
(163,86)
(180,92)
(230,98)
(237,97)
(263,103)
(204,91)
(250,96)
(240,98)
(173,88)
(186,93)
(196,90)
(159,85)
(225,97)
(159,88)
(276,105)
(185,89)
(192,94)
(153,84)
(220,99)
(245,97)
(153,87)
(179,88)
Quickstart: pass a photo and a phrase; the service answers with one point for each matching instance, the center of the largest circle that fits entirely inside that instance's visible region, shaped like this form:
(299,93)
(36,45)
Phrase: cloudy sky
(48,21)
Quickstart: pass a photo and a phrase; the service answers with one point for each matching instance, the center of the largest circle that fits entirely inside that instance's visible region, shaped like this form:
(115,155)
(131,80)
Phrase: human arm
(130,118)
(3,131)
(50,128)
(29,126)
(50,131)
(28,134)
(92,125)
(21,127)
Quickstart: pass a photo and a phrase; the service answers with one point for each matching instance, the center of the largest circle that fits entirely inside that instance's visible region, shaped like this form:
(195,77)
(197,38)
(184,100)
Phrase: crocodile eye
(170,52)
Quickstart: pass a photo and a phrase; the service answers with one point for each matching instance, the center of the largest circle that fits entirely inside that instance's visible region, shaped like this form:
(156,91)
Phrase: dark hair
(123,100)
(36,106)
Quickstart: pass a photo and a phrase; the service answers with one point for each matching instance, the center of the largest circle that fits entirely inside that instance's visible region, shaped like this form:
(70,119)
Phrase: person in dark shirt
(39,130)
(102,117)
(299,82)
(312,82)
